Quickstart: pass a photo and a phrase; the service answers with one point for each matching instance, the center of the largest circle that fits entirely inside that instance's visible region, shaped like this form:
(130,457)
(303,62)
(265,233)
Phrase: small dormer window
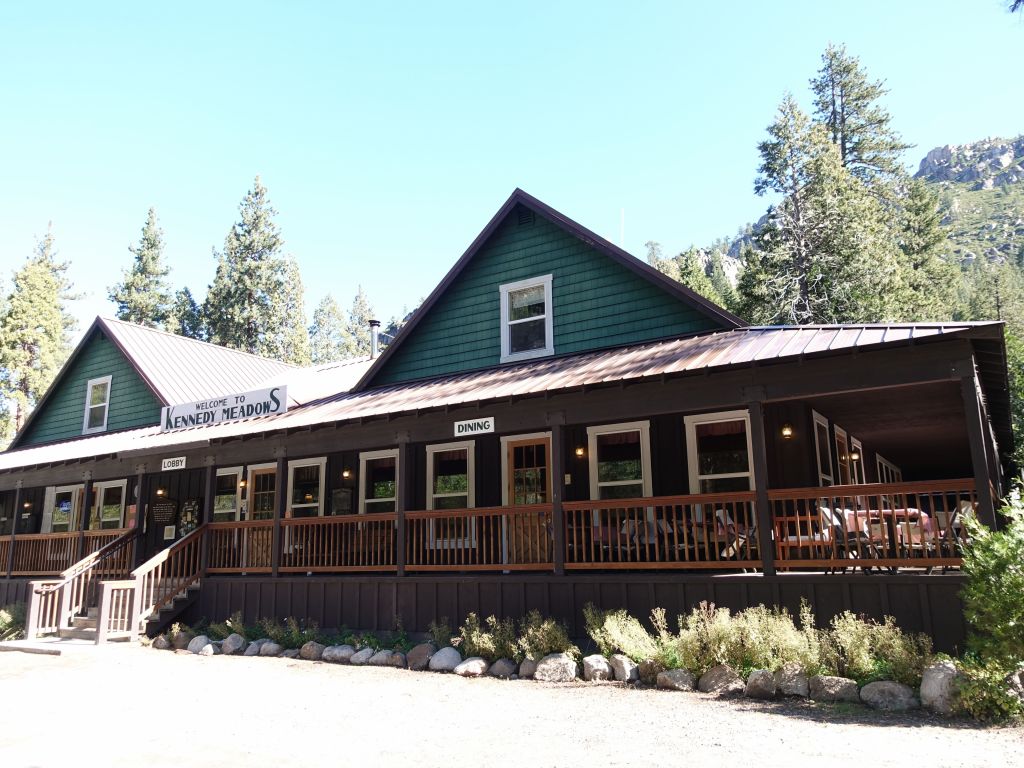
(526,319)
(97,401)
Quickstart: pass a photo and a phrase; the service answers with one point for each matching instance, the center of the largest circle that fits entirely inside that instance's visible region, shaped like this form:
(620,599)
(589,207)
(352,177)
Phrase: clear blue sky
(388,136)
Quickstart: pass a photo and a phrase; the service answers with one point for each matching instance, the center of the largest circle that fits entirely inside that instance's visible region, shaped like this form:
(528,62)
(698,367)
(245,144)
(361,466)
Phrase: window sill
(531,355)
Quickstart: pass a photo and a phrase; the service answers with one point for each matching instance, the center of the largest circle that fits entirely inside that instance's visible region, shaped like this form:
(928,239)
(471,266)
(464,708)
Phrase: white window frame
(505,469)
(97,494)
(366,456)
(320,461)
(469,446)
(74,521)
(508,356)
(691,423)
(817,419)
(857,467)
(839,432)
(644,428)
(250,488)
(86,429)
(237,472)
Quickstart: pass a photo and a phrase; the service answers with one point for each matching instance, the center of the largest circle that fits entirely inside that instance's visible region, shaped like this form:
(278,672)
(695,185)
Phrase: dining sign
(474,426)
(217,410)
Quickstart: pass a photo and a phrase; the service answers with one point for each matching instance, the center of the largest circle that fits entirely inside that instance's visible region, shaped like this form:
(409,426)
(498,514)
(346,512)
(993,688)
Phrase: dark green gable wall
(597,303)
(131,402)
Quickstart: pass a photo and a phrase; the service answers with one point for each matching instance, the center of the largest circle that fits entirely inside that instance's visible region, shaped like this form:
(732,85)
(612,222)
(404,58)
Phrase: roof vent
(525,216)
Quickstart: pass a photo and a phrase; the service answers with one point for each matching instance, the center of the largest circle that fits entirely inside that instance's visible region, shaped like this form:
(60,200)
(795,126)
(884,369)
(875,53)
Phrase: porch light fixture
(854,455)
(27,505)
(160,491)
(242,483)
(346,474)
(787,431)
(579,452)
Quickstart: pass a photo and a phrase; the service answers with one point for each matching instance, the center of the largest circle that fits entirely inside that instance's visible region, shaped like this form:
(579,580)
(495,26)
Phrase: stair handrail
(167,573)
(74,582)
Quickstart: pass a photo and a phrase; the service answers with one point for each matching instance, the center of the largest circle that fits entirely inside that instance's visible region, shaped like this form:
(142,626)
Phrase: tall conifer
(143,295)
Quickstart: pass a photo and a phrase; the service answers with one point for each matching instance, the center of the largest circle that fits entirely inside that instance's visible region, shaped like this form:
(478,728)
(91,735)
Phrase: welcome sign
(205,413)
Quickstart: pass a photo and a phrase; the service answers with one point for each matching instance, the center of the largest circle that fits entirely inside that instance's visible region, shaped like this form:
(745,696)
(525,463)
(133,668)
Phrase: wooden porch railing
(348,543)
(241,547)
(896,525)
(50,554)
(709,531)
(517,538)
(117,611)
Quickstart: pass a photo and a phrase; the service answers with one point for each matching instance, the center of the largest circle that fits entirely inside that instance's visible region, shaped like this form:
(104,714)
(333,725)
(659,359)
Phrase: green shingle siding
(597,302)
(131,402)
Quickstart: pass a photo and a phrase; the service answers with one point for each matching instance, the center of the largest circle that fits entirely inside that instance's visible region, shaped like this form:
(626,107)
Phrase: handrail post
(32,613)
(64,615)
(86,510)
(281,484)
(762,507)
(406,459)
(103,615)
(557,422)
(14,529)
(138,548)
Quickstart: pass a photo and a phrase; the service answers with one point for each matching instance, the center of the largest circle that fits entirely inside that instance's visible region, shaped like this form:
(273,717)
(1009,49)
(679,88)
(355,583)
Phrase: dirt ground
(125,706)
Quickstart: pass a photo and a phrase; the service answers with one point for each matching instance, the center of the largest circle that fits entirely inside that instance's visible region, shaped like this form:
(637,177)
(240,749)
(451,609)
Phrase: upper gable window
(97,402)
(526,327)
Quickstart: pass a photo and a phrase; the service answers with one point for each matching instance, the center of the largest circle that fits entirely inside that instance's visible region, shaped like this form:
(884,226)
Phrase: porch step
(85,622)
(157,622)
(78,633)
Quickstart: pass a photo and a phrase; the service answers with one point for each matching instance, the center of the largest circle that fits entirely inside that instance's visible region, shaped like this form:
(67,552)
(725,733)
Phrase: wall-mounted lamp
(579,452)
(27,505)
(854,455)
(160,491)
(786,431)
(346,474)
(242,483)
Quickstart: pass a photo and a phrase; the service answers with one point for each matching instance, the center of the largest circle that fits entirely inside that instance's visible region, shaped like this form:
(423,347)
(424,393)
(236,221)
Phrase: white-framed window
(718,452)
(61,508)
(97,403)
(843,470)
(620,460)
(823,450)
(526,319)
(378,481)
(857,461)
(227,495)
(108,504)
(261,491)
(887,471)
(306,478)
(451,484)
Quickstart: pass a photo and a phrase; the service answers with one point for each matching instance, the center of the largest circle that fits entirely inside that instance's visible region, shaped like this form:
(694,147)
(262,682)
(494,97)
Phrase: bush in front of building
(12,622)
(494,639)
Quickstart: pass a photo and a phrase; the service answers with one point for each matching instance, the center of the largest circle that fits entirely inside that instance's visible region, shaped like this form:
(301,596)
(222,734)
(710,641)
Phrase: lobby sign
(218,410)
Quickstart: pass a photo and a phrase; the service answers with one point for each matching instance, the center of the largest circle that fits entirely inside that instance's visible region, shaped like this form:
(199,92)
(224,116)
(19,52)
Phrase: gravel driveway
(129,706)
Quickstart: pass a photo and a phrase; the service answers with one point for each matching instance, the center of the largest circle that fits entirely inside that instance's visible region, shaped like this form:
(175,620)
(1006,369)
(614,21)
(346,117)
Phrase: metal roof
(743,346)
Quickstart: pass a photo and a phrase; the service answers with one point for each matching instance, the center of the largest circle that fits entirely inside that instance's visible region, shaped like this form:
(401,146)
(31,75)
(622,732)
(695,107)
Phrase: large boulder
(721,681)
(760,685)
(419,656)
(791,680)
(312,651)
(381,658)
(290,653)
(889,696)
(197,643)
(207,650)
(161,643)
(556,668)
(233,644)
(397,660)
(502,668)
(255,647)
(677,680)
(648,670)
(527,668)
(445,660)
(337,654)
(939,686)
(625,670)
(181,640)
(596,667)
(830,689)
(474,666)
(270,648)
(362,657)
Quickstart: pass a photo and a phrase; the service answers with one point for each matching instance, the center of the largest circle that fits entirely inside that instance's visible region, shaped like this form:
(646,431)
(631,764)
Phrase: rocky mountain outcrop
(985,164)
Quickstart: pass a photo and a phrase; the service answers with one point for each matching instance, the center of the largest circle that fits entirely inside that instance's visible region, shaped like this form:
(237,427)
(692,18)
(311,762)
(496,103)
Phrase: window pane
(263,487)
(380,479)
(110,505)
(528,302)
(843,454)
(306,485)
(621,491)
(225,497)
(97,416)
(824,458)
(618,457)
(526,336)
(722,447)
(451,472)
(451,502)
(98,394)
(724,484)
(380,506)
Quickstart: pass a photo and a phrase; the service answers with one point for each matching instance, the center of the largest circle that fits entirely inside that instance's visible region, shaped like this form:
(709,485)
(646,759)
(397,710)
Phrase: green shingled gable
(598,303)
(132,404)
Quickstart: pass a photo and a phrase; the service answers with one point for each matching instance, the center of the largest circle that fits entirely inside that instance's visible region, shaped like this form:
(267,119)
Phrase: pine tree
(686,268)
(325,334)
(254,303)
(720,282)
(846,103)
(356,334)
(930,280)
(185,317)
(294,334)
(35,331)
(143,295)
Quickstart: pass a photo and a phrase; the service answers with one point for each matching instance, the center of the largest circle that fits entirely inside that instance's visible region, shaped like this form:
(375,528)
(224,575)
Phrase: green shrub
(618,632)
(497,641)
(866,651)
(539,636)
(440,632)
(984,694)
(289,635)
(12,621)
(233,625)
(994,567)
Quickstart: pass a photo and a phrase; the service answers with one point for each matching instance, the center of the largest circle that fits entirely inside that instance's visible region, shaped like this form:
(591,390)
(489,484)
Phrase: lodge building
(558,424)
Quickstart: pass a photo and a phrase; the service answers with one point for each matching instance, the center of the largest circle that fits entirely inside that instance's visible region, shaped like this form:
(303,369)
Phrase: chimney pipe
(374,339)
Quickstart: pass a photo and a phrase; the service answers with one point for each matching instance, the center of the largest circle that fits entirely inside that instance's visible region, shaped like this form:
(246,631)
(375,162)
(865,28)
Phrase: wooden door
(529,482)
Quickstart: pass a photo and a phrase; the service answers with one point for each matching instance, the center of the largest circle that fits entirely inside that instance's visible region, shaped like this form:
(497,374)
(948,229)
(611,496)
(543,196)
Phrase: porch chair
(802,529)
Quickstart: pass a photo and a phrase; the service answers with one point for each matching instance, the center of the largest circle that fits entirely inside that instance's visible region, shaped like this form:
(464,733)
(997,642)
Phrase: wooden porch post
(140,514)
(979,461)
(207,513)
(762,507)
(14,528)
(557,422)
(86,508)
(281,499)
(406,457)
